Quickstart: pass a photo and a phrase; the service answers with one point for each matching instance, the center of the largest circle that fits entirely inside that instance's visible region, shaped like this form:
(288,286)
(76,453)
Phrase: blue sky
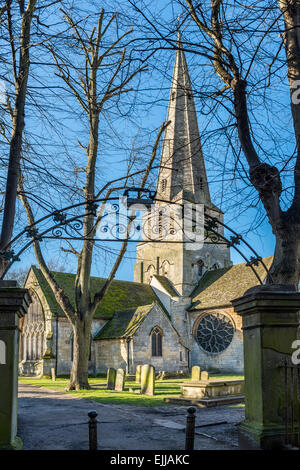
(136,131)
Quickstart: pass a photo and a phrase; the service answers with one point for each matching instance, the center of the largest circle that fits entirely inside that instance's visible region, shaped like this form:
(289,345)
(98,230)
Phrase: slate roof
(120,296)
(166,284)
(124,323)
(220,286)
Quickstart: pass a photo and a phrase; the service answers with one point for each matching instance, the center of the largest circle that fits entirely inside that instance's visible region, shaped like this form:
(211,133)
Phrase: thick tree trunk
(285,268)
(81,352)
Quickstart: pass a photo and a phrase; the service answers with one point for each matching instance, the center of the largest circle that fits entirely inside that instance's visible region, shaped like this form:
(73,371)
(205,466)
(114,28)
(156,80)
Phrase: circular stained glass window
(215,332)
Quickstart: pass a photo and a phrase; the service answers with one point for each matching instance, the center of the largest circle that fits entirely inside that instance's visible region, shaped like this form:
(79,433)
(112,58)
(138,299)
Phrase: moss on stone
(220,286)
(121,294)
(124,323)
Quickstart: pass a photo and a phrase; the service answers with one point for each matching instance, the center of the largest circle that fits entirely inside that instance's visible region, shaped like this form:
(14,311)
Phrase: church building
(177,312)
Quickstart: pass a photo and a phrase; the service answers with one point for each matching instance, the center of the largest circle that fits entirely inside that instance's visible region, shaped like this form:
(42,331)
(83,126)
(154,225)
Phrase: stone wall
(231,359)
(178,263)
(114,352)
(174,356)
(110,353)
(64,362)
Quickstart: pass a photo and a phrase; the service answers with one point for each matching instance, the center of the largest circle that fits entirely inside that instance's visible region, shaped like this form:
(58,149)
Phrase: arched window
(156,341)
(200,266)
(72,347)
(150,272)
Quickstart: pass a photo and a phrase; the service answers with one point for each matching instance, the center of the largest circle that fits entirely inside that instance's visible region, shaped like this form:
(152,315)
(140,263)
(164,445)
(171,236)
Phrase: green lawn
(98,392)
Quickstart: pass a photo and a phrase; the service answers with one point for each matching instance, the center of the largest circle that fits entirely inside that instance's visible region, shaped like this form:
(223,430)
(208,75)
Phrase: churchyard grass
(99,393)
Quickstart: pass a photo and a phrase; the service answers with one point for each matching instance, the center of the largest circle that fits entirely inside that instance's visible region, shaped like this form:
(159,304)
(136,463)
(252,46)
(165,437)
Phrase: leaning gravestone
(120,380)
(196,373)
(138,374)
(147,379)
(111,378)
(204,375)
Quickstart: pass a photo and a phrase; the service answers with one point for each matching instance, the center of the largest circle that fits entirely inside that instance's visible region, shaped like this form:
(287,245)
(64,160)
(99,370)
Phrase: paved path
(49,419)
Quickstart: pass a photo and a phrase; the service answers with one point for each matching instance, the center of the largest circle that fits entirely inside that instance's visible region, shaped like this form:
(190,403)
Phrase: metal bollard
(93,441)
(190,428)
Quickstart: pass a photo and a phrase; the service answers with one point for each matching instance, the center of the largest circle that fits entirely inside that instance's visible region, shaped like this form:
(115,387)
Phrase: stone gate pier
(270,317)
(14,303)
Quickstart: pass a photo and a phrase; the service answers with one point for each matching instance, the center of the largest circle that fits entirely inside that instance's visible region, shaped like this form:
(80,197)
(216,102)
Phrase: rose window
(215,332)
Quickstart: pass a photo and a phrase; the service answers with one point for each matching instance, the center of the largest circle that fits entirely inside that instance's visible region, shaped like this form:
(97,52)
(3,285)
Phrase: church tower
(182,179)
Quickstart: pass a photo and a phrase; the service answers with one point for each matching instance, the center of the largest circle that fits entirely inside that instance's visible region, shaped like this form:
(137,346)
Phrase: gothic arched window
(200,266)
(156,341)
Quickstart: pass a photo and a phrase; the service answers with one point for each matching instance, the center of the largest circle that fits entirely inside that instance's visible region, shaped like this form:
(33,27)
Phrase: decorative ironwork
(9,255)
(143,196)
(92,208)
(215,332)
(235,240)
(59,217)
(254,261)
(33,233)
(69,227)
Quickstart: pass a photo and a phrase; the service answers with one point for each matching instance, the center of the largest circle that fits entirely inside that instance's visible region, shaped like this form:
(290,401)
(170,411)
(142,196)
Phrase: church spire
(182,173)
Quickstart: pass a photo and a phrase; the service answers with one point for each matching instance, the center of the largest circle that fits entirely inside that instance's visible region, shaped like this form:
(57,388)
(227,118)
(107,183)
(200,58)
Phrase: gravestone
(120,380)
(196,373)
(204,375)
(138,374)
(14,303)
(111,378)
(147,379)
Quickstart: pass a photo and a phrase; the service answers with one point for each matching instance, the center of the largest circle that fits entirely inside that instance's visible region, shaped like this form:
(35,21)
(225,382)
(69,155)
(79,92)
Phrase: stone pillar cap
(271,288)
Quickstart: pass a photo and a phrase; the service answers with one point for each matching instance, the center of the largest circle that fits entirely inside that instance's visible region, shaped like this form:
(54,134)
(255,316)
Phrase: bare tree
(20,66)
(241,49)
(21,31)
(108,58)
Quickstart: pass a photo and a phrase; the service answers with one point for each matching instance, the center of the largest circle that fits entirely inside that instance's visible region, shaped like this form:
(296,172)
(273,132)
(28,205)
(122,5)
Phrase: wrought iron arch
(71,226)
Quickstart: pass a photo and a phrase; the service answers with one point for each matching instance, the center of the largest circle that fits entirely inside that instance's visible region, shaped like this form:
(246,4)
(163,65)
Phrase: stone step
(205,402)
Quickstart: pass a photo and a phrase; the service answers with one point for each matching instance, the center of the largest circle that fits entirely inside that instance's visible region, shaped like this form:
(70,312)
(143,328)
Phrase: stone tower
(182,180)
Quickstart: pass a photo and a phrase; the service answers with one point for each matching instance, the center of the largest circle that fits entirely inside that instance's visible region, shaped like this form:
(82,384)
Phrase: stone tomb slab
(212,389)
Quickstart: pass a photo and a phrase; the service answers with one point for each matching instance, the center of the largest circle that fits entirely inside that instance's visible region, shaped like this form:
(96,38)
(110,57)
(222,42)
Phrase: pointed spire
(182,174)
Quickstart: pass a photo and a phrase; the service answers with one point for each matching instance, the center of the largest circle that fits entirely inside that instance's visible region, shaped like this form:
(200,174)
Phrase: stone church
(177,312)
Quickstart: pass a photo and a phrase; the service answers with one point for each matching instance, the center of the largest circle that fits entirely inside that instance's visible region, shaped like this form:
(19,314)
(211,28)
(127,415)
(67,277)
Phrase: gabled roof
(220,286)
(167,285)
(124,323)
(120,296)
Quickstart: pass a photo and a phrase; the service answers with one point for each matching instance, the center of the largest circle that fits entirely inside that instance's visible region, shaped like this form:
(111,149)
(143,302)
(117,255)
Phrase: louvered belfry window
(156,338)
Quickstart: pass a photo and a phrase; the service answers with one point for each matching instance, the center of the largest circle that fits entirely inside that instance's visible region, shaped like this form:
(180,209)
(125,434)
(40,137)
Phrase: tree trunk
(286,263)
(18,124)
(81,352)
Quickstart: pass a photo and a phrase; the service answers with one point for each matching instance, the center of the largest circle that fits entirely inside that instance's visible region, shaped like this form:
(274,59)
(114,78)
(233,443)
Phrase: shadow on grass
(99,393)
